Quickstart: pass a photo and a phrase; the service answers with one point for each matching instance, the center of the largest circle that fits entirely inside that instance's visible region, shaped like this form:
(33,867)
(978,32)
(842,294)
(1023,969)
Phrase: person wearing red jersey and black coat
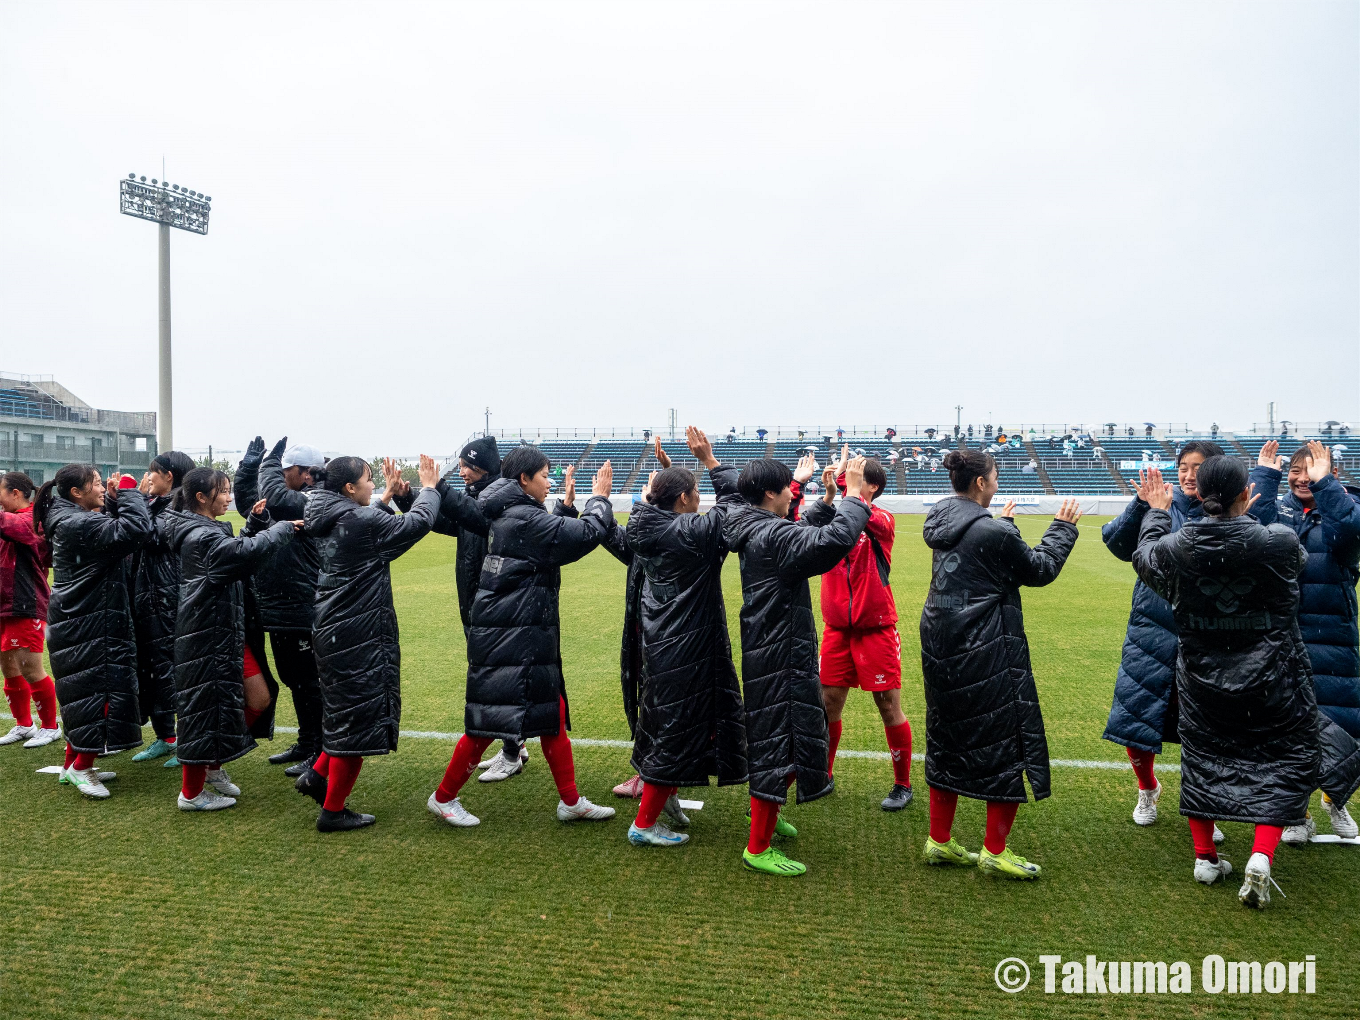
(786,726)
(24,561)
(860,644)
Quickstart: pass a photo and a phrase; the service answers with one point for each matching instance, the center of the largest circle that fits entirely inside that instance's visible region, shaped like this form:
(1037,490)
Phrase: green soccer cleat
(952,852)
(158,749)
(772,862)
(781,827)
(1008,864)
(171,763)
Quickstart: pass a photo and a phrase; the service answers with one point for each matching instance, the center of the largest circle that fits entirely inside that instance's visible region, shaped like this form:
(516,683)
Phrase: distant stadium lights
(178,206)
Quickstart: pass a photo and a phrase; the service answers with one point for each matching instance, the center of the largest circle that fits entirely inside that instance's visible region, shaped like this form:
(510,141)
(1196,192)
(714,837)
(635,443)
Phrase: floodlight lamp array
(163,202)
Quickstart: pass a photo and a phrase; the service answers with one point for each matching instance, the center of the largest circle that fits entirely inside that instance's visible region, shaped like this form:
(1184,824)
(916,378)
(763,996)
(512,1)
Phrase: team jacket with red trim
(854,593)
(24,559)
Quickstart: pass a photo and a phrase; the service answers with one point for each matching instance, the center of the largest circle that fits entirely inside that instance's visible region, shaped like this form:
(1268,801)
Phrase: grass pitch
(130,909)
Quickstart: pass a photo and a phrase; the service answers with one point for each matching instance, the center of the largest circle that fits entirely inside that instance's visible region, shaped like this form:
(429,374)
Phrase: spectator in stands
(760,434)
(1144,714)
(732,434)
(1326,518)
(24,592)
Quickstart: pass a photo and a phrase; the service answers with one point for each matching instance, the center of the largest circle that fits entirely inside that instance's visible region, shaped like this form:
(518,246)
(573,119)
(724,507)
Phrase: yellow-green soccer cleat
(781,827)
(952,852)
(772,862)
(1008,864)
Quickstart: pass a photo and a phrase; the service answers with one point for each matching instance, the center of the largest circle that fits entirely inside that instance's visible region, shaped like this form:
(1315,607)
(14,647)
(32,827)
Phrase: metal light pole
(168,205)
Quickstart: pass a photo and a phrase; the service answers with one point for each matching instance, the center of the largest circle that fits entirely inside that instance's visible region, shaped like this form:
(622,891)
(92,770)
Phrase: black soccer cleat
(899,798)
(313,784)
(294,753)
(342,821)
(298,767)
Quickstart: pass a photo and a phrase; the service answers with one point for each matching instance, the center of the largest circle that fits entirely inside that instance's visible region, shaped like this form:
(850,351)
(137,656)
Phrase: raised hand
(1270,455)
(144,486)
(254,451)
(807,467)
(854,474)
(111,484)
(661,454)
(646,489)
(391,474)
(569,486)
(1319,461)
(700,446)
(603,481)
(845,459)
(1070,511)
(1009,509)
(428,472)
(258,508)
(1152,490)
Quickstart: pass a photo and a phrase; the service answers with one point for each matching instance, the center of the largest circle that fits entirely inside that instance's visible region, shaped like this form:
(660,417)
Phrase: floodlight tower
(169,205)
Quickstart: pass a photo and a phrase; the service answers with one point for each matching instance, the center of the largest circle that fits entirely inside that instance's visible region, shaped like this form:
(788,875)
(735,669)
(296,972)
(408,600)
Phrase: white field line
(1068,763)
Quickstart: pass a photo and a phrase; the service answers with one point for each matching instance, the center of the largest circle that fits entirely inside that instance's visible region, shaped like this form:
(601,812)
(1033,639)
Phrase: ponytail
(1220,481)
(669,485)
(967,466)
(68,477)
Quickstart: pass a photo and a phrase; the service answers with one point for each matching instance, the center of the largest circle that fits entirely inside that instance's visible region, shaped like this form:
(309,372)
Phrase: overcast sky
(584,214)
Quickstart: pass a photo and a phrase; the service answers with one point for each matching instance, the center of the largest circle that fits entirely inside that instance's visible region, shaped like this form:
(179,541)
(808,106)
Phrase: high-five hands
(1152,490)
(700,446)
(427,472)
(569,486)
(603,481)
(854,473)
(1008,511)
(661,454)
(1319,461)
(1070,511)
(807,467)
(1270,455)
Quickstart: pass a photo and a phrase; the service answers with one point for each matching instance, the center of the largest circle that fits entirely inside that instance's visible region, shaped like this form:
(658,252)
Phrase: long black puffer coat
(984,730)
(630,651)
(355,634)
(514,641)
(212,632)
(460,518)
(1249,726)
(786,727)
(286,583)
(155,600)
(691,724)
(89,619)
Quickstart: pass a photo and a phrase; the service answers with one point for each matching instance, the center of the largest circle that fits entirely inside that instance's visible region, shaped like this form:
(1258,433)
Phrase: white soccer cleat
(500,768)
(674,811)
(1218,834)
(1146,811)
(87,782)
(1298,835)
(453,812)
(523,757)
(1255,891)
(18,733)
(44,736)
(1210,872)
(657,835)
(207,800)
(1343,824)
(582,810)
(221,782)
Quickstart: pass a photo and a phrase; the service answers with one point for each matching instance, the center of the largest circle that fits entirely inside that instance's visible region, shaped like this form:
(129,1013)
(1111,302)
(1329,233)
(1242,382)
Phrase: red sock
(17,694)
(1202,831)
(84,760)
(835,729)
(899,745)
(1142,767)
(322,765)
(1267,839)
(170,739)
(557,749)
(653,800)
(942,807)
(45,697)
(341,778)
(466,754)
(251,715)
(1000,818)
(70,755)
(764,813)
(193,777)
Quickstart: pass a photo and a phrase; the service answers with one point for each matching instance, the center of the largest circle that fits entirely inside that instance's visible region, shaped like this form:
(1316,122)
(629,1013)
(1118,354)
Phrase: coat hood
(501,495)
(647,523)
(744,522)
(949,519)
(324,510)
(61,510)
(176,526)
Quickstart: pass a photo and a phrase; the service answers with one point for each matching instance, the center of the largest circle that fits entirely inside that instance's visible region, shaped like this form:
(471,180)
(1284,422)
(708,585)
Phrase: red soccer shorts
(250,666)
(21,632)
(868,659)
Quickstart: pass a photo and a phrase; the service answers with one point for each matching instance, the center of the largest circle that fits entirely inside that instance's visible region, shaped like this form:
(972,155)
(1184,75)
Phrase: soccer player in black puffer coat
(89,618)
(224,694)
(786,728)
(515,687)
(286,584)
(355,634)
(984,730)
(1250,726)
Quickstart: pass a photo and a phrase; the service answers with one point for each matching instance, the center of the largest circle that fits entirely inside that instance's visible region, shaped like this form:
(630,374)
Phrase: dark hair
(524,460)
(174,464)
(1220,481)
(875,476)
(669,485)
(199,481)
(1201,446)
(17,481)
(345,470)
(68,477)
(967,466)
(761,476)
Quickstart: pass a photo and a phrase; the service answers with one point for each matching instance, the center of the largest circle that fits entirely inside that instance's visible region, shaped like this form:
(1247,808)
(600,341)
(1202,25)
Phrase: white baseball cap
(303,456)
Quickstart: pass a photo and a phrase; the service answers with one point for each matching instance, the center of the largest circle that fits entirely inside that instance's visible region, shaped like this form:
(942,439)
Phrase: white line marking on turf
(1068,763)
